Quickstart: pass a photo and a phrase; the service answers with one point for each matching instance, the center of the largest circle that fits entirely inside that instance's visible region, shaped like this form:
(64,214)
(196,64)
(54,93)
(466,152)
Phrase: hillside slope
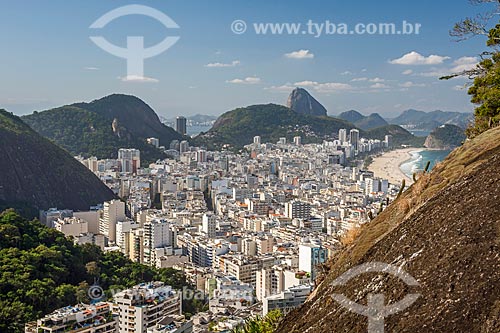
(373,120)
(430,120)
(36,174)
(302,102)
(101,127)
(445,137)
(445,232)
(270,121)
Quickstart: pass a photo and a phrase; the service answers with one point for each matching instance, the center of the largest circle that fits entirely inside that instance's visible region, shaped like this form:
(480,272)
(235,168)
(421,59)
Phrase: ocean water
(419,158)
(195,130)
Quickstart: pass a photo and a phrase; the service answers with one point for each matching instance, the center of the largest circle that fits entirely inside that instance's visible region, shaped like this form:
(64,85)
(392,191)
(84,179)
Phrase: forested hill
(42,271)
(37,174)
(101,127)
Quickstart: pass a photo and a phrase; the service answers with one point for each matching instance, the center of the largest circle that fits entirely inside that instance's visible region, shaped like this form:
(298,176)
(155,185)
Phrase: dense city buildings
(251,230)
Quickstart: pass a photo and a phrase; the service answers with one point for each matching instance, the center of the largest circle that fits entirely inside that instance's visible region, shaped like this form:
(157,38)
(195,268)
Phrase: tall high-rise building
(342,135)
(112,212)
(183,146)
(256,140)
(388,141)
(130,159)
(310,256)
(145,305)
(297,140)
(201,156)
(297,209)
(209,224)
(158,233)
(354,138)
(181,125)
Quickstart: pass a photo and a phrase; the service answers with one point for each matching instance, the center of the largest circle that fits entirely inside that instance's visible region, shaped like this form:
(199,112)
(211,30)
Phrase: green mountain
(400,136)
(443,231)
(374,120)
(237,128)
(37,174)
(101,127)
(351,116)
(445,137)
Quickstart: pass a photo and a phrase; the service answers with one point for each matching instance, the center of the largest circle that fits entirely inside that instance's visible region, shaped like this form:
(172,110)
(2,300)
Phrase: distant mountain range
(420,120)
(37,174)
(374,120)
(237,128)
(103,126)
(196,120)
(270,121)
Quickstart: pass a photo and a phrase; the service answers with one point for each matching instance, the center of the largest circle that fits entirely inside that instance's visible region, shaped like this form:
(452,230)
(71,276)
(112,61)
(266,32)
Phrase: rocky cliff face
(445,137)
(36,174)
(302,102)
(444,231)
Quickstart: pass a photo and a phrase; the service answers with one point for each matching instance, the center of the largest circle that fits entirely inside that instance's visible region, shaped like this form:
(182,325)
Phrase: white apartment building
(144,306)
(113,211)
(71,226)
(286,300)
(209,225)
(158,233)
(81,318)
(130,159)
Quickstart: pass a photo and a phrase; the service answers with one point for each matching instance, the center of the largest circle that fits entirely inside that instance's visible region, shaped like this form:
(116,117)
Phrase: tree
(485,89)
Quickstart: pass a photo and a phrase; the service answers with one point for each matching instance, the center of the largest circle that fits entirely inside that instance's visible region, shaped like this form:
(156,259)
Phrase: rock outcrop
(302,102)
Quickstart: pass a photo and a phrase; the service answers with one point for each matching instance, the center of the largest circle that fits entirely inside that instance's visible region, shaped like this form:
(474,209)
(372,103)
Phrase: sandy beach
(387,165)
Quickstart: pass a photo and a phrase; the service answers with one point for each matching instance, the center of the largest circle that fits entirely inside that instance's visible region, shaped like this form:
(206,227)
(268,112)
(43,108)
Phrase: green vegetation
(41,271)
(103,126)
(400,136)
(486,75)
(270,121)
(267,324)
(445,137)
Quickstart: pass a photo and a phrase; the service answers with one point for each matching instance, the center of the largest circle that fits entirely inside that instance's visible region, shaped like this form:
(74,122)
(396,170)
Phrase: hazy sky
(47,58)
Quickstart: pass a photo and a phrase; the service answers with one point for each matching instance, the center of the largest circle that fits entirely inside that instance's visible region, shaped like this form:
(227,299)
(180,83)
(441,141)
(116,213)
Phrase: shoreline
(387,165)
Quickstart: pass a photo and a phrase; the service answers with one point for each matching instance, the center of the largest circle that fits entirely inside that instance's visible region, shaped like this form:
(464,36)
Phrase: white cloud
(283,88)
(379,86)
(301,54)
(359,79)
(409,84)
(463,64)
(326,87)
(364,70)
(139,79)
(233,63)
(407,72)
(459,65)
(247,80)
(306,83)
(415,58)
(91,68)
(346,73)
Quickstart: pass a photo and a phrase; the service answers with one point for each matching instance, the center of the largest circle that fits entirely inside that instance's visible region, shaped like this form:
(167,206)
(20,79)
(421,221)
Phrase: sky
(47,58)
